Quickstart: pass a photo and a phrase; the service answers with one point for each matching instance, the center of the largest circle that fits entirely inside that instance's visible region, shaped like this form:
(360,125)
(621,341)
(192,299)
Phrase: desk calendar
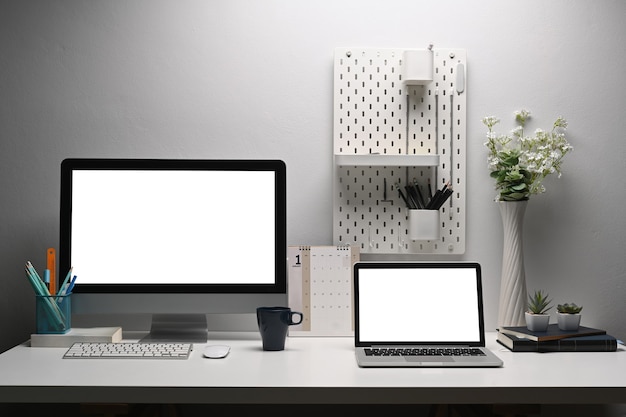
(320,286)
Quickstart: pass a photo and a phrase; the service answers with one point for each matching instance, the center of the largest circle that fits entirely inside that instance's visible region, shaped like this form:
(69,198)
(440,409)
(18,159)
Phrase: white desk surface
(311,370)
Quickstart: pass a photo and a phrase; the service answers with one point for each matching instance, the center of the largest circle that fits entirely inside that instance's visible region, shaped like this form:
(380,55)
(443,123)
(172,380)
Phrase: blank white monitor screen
(173,227)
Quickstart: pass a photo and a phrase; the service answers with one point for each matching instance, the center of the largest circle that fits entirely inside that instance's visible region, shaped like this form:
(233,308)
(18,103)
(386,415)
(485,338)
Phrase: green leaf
(510,161)
(514,197)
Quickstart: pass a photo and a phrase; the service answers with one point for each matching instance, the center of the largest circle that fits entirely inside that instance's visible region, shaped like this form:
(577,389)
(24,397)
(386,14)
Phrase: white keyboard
(123,350)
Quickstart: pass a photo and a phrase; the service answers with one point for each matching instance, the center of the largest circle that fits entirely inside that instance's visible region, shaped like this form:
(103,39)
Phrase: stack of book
(585,339)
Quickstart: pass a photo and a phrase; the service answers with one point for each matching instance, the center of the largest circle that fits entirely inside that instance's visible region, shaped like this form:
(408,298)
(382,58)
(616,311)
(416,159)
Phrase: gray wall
(253,79)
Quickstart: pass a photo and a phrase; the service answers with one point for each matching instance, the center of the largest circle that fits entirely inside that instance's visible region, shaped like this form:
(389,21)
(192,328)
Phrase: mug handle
(295,313)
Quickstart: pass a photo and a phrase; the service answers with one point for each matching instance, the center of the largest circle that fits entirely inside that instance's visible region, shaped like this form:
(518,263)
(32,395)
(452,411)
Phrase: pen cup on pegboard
(53,313)
(424,224)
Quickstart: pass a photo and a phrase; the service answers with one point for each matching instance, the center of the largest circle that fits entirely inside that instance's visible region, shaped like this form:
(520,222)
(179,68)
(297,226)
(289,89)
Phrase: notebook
(403,310)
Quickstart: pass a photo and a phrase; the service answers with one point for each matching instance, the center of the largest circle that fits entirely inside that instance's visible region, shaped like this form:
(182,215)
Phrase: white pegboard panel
(421,129)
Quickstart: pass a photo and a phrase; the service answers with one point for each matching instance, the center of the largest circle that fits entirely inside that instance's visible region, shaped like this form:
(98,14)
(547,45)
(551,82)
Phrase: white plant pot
(537,322)
(567,321)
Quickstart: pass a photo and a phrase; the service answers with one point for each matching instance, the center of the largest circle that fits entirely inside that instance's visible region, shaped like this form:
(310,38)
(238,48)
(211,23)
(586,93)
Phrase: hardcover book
(94,334)
(553,332)
(595,343)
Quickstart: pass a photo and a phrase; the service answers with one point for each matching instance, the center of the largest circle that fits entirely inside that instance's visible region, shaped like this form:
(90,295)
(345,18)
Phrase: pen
(419,195)
(71,286)
(440,197)
(445,197)
(412,196)
(433,201)
(444,194)
(63,287)
(35,281)
(403,197)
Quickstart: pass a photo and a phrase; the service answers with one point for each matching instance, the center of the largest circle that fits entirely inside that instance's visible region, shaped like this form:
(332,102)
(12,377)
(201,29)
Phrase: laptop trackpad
(428,359)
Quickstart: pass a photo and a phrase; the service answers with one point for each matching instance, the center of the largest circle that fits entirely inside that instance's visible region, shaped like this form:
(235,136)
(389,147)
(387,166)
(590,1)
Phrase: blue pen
(69,288)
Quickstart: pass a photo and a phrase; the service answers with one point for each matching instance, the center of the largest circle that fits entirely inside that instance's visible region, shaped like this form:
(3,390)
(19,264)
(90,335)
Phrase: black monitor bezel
(277,166)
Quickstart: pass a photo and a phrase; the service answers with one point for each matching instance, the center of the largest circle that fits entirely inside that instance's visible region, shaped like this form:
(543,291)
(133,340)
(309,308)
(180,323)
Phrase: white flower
(490,121)
(521,116)
(520,163)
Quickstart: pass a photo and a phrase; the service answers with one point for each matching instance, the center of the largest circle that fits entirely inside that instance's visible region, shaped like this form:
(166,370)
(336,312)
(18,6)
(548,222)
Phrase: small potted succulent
(537,319)
(568,316)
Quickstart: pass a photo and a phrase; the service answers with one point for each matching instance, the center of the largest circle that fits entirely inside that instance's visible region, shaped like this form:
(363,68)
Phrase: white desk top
(309,370)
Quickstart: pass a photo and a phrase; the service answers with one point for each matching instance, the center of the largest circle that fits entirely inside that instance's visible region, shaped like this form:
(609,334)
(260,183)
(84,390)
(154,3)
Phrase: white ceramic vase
(513,298)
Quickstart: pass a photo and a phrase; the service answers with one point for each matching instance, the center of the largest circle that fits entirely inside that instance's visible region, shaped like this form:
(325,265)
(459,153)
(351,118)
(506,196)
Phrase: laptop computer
(413,314)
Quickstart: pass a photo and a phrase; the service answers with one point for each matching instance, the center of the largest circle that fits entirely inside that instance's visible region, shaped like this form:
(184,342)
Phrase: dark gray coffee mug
(273,325)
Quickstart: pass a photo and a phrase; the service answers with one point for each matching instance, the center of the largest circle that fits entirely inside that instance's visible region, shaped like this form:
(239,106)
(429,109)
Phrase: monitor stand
(190,328)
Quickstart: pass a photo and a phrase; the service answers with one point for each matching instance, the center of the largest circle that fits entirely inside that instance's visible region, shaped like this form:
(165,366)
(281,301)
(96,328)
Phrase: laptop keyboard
(424,352)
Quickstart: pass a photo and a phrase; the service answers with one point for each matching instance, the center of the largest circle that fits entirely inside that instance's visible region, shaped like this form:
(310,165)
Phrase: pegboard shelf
(387,160)
(390,133)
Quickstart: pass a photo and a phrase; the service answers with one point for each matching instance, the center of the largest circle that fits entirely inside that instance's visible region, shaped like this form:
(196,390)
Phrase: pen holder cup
(53,313)
(424,224)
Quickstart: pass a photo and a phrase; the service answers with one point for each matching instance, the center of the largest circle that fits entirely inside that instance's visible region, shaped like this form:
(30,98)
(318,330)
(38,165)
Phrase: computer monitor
(174,245)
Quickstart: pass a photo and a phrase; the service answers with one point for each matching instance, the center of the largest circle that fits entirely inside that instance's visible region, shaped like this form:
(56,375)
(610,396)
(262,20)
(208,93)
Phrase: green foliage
(569,308)
(538,303)
(518,162)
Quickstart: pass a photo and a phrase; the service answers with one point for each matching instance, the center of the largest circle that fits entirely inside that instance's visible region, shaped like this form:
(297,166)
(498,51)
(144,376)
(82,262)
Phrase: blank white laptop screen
(418,305)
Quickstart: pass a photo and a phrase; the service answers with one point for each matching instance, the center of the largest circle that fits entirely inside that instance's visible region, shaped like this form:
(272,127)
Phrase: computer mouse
(216,351)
